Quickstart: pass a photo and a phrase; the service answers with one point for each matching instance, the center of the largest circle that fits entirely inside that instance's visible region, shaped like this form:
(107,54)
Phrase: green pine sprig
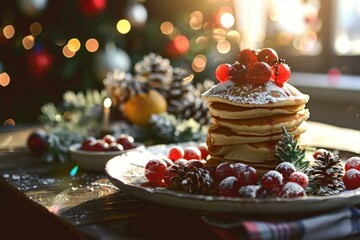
(288,150)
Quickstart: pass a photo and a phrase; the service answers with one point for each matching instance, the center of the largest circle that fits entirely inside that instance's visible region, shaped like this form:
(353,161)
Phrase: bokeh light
(35,28)
(4,79)
(202,42)
(74,44)
(199,63)
(167,28)
(234,36)
(28,42)
(123,26)
(219,34)
(227,20)
(9,31)
(92,45)
(196,19)
(181,44)
(223,46)
(67,52)
(9,123)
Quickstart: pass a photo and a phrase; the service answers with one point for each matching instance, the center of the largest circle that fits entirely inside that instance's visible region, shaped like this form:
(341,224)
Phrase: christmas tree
(50,47)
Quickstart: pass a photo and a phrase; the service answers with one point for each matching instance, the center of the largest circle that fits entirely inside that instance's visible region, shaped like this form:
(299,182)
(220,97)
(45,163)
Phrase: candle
(106,116)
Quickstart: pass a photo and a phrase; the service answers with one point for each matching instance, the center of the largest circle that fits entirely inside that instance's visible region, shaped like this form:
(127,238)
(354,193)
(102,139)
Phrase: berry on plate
(155,170)
(271,179)
(352,179)
(352,163)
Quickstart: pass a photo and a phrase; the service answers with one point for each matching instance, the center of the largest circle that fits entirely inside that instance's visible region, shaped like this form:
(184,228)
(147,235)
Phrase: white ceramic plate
(127,173)
(95,161)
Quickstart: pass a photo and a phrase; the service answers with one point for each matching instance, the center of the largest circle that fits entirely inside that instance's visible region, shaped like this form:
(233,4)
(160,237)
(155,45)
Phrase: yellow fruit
(139,108)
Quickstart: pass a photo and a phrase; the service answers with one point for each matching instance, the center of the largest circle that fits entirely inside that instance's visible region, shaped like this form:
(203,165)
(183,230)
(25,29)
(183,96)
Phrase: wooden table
(90,207)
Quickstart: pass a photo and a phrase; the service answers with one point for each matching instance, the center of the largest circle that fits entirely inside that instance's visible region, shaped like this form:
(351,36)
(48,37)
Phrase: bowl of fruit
(92,154)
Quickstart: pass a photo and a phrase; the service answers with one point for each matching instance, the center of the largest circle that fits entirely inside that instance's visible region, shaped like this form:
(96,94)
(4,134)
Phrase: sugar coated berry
(115,147)
(259,74)
(181,162)
(271,179)
(222,72)
(238,72)
(176,152)
(109,139)
(351,179)
(245,174)
(268,55)
(192,152)
(229,187)
(204,150)
(249,191)
(352,163)
(155,170)
(99,146)
(292,190)
(224,170)
(299,178)
(126,141)
(248,57)
(283,74)
(286,169)
(87,143)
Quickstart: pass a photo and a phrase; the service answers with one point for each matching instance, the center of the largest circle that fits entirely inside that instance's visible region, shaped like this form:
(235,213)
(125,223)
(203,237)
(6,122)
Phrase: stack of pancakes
(247,121)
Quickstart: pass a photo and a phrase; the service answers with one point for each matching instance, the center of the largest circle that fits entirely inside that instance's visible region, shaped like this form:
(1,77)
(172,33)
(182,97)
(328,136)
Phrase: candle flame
(107,103)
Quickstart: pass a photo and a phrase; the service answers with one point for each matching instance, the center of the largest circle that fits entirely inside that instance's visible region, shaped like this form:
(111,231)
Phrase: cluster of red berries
(256,67)
(231,179)
(351,177)
(108,143)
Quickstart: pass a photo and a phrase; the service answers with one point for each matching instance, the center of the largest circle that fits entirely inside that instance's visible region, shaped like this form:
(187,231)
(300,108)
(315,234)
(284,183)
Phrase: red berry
(109,139)
(292,190)
(247,57)
(204,150)
(271,179)
(113,147)
(286,169)
(222,72)
(299,178)
(175,153)
(259,74)
(268,55)
(194,163)
(351,179)
(284,73)
(126,141)
(192,152)
(352,163)
(167,161)
(224,169)
(87,143)
(99,146)
(245,174)
(36,142)
(155,170)
(229,187)
(238,72)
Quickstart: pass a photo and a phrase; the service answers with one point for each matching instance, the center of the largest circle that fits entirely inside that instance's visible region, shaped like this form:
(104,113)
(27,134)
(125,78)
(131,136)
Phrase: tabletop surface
(99,210)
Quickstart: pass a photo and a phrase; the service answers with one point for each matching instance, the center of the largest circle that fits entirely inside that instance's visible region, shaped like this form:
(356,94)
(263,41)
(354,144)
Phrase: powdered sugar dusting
(248,93)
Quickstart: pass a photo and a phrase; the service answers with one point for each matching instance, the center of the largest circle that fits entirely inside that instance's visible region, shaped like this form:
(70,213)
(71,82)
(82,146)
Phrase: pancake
(251,95)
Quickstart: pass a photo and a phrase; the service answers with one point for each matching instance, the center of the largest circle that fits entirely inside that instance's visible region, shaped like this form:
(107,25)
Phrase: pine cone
(183,100)
(325,177)
(191,179)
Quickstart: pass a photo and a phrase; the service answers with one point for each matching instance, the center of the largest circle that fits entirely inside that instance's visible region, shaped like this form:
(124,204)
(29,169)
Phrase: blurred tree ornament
(37,142)
(177,47)
(137,14)
(110,59)
(40,62)
(92,7)
(32,8)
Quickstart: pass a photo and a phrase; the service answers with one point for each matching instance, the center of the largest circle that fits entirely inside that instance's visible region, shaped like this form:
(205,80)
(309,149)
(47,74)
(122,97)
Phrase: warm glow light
(4,79)
(9,123)
(196,19)
(199,63)
(9,31)
(181,43)
(28,42)
(92,45)
(60,42)
(167,28)
(74,44)
(227,20)
(219,34)
(123,26)
(234,35)
(223,46)
(36,28)
(202,42)
(67,53)
(107,103)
